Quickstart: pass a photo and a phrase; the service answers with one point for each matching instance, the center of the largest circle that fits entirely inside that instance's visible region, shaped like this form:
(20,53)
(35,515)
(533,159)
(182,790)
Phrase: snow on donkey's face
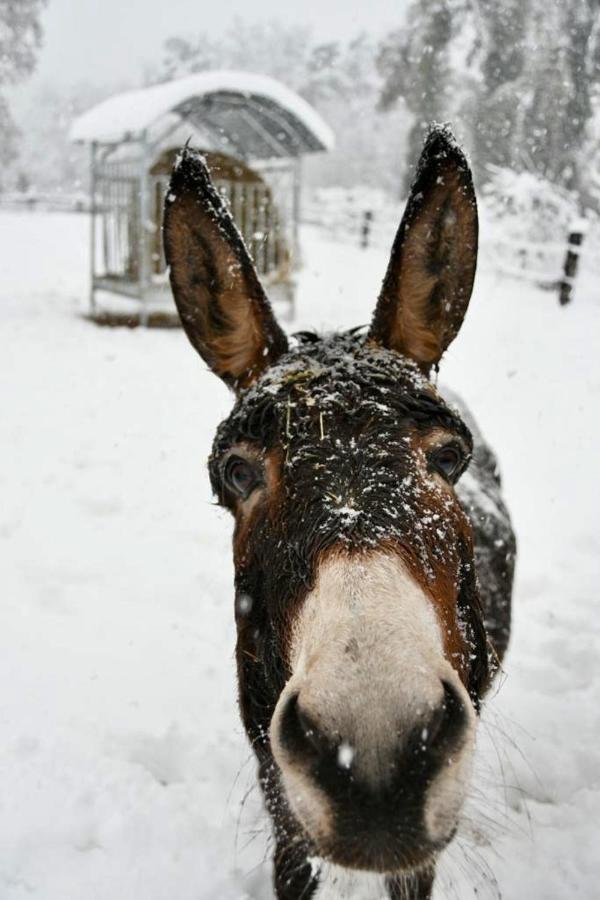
(353,560)
(361,650)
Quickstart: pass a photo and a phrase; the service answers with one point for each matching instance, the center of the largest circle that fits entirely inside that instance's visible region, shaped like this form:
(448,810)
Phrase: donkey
(372,592)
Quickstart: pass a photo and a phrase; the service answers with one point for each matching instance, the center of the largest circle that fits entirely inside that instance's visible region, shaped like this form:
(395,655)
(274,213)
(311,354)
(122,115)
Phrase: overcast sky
(110,40)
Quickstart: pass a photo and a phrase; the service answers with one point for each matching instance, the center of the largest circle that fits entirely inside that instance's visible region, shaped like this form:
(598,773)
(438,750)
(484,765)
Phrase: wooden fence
(552,265)
(43,202)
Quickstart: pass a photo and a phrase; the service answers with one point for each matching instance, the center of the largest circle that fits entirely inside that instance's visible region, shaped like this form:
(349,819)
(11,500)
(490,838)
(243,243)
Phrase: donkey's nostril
(309,730)
(299,734)
(446,723)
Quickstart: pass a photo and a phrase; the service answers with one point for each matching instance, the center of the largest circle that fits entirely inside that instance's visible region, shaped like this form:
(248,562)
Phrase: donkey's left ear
(221,302)
(428,284)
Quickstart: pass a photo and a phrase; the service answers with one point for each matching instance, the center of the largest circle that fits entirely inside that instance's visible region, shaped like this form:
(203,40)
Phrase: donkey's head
(361,648)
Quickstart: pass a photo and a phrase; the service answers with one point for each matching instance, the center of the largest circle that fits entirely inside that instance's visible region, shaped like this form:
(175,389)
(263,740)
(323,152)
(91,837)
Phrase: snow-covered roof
(248,114)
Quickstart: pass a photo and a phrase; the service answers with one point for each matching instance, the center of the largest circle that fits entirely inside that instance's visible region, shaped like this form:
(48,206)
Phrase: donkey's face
(361,649)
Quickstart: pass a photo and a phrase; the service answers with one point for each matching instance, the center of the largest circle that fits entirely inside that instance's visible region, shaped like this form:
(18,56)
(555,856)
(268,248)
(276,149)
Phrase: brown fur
(261,502)
(221,302)
(428,283)
(442,589)
(343,438)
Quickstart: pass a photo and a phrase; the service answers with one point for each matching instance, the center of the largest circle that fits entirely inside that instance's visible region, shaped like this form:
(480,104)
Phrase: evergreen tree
(583,63)
(414,62)
(540,70)
(20,39)
(501,51)
(520,75)
(340,79)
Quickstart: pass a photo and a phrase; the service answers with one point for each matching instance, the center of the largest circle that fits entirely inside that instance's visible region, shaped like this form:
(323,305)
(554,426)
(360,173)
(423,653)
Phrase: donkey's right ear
(221,302)
(428,284)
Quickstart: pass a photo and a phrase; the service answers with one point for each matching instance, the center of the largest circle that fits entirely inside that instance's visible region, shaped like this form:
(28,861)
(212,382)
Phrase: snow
(345,755)
(128,115)
(123,765)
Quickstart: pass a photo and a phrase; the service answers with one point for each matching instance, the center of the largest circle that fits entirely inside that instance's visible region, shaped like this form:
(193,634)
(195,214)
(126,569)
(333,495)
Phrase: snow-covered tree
(540,65)
(416,67)
(48,160)
(500,47)
(20,39)
(340,79)
(517,78)
(269,48)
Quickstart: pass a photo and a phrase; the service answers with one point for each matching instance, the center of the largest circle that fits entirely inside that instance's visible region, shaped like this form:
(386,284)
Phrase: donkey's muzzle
(378,815)
(374,731)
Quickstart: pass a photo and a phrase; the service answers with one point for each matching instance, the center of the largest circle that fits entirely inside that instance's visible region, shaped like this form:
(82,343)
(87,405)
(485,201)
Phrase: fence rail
(548,264)
(41,202)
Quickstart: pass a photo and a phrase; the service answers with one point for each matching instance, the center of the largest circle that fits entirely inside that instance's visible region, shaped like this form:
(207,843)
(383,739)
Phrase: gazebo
(253,131)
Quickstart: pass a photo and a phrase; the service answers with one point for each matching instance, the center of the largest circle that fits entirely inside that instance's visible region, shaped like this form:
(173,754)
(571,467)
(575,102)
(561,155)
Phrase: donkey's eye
(240,476)
(448,461)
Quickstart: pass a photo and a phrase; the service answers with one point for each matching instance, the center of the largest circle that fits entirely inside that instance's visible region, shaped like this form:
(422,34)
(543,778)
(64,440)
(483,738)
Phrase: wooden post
(92,229)
(296,210)
(577,231)
(144,275)
(365,230)
(296,200)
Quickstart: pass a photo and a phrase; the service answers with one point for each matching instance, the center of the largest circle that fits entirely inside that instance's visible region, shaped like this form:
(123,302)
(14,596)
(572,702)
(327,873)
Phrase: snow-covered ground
(123,768)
